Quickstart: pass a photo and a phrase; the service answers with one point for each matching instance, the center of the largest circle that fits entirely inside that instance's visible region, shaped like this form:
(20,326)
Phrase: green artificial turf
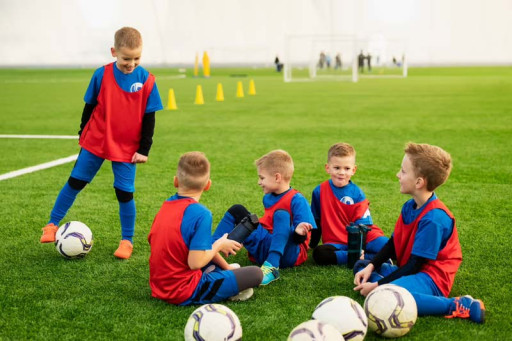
(43,296)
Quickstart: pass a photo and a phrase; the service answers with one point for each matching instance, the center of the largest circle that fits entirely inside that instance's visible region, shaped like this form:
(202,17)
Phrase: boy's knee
(325,255)
(123,196)
(238,212)
(76,184)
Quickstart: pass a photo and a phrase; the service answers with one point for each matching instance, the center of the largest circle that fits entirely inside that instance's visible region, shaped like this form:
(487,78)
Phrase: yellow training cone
(220,93)
(171,105)
(196,66)
(199,95)
(239,90)
(252,88)
(206,65)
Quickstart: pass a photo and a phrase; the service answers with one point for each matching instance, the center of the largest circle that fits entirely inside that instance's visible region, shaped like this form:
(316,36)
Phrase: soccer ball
(73,240)
(345,314)
(314,330)
(212,322)
(391,310)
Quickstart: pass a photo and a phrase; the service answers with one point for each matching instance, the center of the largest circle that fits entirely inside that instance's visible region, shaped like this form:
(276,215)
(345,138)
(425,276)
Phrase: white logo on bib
(136,87)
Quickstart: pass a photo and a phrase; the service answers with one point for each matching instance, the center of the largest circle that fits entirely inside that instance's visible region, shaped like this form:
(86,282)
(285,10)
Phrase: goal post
(342,57)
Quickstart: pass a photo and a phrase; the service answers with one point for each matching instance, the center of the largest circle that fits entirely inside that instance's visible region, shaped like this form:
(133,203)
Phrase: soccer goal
(342,57)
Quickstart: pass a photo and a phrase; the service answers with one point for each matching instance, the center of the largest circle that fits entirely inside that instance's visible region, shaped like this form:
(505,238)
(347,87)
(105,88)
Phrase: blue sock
(64,201)
(274,258)
(226,225)
(127,217)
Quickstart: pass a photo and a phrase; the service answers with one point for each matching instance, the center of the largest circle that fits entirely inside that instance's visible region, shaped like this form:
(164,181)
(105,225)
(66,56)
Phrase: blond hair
(277,161)
(429,162)
(193,170)
(127,37)
(341,150)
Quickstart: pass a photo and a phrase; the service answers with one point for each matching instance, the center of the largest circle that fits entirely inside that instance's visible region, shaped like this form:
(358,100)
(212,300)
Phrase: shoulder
(199,210)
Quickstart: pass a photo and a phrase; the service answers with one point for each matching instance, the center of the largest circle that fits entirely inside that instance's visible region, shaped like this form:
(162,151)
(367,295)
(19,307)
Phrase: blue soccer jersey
(131,82)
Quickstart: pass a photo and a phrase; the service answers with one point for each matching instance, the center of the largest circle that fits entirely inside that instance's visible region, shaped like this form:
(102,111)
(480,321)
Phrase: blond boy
(424,243)
(282,236)
(118,121)
(337,203)
(182,253)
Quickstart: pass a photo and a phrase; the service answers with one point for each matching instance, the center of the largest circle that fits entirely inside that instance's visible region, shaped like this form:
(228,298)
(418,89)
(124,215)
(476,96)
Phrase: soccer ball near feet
(74,240)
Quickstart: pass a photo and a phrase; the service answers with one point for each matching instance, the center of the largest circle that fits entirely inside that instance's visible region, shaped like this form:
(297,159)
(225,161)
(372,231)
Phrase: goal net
(337,57)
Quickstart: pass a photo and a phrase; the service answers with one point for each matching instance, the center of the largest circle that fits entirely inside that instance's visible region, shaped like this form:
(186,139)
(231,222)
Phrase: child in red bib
(337,203)
(281,238)
(118,121)
(425,242)
(185,267)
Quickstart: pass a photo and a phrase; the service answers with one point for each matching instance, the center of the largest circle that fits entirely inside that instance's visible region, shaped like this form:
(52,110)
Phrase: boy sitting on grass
(425,242)
(180,264)
(338,202)
(283,233)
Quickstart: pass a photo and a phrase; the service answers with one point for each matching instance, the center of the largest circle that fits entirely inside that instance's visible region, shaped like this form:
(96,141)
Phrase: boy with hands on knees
(425,242)
(185,267)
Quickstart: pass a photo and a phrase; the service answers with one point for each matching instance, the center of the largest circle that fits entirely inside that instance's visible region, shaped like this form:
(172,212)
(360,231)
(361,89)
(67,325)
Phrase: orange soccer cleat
(125,249)
(49,232)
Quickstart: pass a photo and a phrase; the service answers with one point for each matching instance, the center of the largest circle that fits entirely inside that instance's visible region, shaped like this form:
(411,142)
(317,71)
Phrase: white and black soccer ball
(345,314)
(391,310)
(314,330)
(212,322)
(74,239)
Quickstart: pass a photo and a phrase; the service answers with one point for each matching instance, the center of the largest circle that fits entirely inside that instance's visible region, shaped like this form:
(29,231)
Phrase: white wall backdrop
(80,32)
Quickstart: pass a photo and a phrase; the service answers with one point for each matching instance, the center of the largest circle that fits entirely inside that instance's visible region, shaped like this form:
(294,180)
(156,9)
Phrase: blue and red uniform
(114,130)
(272,240)
(183,225)
(428,232)
(334,208)
(118,104)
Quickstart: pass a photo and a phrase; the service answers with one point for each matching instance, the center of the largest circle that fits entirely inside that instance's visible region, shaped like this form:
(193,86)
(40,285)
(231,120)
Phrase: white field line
(67,137)
(38,167)
(41,166)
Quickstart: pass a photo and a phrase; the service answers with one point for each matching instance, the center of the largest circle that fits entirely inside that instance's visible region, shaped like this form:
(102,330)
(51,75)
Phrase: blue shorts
(88,164)
(215,286)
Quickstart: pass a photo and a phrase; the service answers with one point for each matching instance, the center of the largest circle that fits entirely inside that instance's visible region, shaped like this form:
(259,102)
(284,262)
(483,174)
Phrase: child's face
(127,59)
(267,181)
(407,177)
(341,169)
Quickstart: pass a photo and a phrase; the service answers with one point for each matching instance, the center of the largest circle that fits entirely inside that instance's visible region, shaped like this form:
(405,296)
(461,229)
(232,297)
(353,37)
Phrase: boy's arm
(148,129)
(199,258)
(412,267)
(86,116)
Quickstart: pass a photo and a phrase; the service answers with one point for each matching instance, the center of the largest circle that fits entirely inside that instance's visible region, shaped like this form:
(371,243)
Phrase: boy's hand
(303,228)
(365,288)
(228,246)
(139,158)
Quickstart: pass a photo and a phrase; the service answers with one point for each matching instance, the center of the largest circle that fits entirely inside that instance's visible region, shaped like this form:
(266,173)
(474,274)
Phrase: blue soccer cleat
(270,273)
(468,307)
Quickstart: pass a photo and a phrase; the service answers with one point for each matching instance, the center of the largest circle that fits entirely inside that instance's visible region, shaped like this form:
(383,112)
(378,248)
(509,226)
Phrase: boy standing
(181,246)
(425,242)
(282,236)
(118,122)
(337,203)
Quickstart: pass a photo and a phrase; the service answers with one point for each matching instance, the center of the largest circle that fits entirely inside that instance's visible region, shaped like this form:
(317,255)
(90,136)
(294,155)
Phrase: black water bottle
(244,228)
(355,244)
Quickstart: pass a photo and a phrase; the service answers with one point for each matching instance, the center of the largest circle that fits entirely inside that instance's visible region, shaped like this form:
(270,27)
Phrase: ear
(278,177)
(354,171)
(208,185)
(113,51)
(175,182)
(421,183)
(327,168)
